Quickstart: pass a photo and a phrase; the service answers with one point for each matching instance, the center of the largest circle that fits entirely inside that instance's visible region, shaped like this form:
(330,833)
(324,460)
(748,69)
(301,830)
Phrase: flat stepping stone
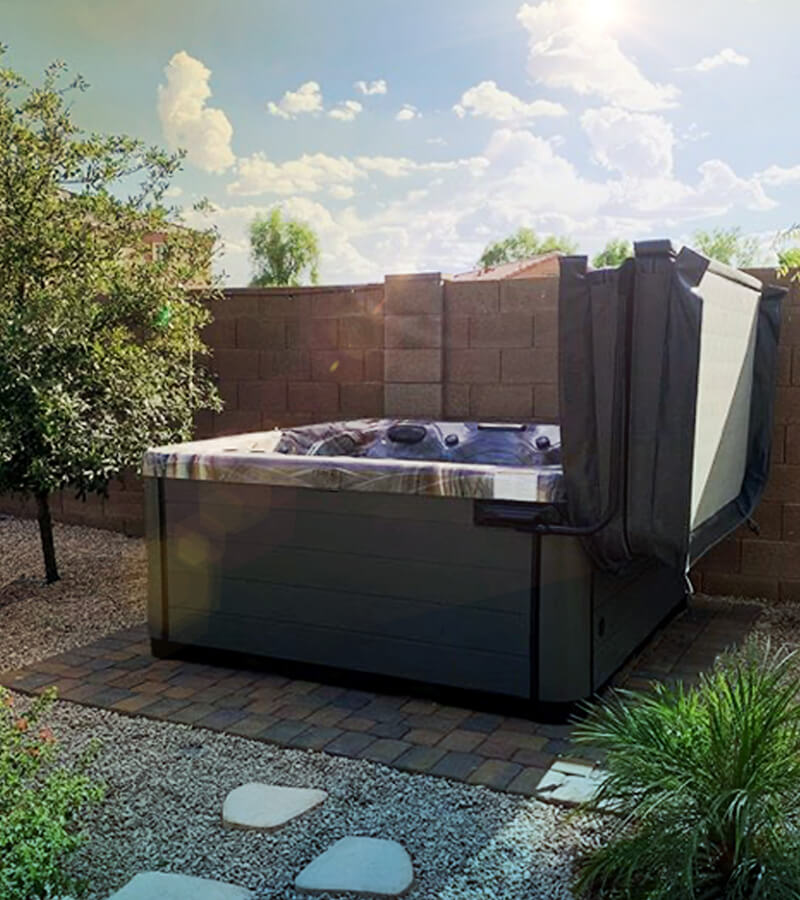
(569,783)
(168,886)
(268,806)
(369,866)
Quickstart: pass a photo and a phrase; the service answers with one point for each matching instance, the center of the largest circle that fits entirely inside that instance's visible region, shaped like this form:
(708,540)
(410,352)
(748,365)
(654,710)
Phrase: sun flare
(600,14)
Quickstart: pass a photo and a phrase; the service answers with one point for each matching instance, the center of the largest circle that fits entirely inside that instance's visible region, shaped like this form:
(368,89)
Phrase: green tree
(98,342)
(282,250)
(614,253)
(523,244)
(727,245)
(789,258)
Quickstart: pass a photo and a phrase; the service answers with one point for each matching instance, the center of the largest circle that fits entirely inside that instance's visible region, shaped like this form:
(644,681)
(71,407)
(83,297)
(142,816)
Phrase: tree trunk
(46,534)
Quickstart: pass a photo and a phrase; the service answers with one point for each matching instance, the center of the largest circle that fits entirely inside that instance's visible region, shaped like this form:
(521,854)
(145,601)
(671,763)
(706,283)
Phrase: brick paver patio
(416,735)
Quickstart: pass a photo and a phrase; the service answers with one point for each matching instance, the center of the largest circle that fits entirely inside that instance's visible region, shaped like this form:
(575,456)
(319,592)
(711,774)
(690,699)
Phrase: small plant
(40,802)
(704,783)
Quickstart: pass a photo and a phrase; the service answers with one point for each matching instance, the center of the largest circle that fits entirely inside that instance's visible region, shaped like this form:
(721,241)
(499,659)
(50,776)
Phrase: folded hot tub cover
(675,442)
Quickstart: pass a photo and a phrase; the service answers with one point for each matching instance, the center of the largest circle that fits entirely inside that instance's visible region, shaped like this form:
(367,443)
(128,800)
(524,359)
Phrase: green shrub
(40,801)
(704,783)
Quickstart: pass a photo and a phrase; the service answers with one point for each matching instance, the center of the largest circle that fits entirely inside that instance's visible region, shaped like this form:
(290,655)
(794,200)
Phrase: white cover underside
(725,381)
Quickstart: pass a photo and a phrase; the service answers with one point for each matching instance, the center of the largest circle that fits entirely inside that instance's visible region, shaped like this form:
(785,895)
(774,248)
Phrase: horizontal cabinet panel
(445,584)
(381,655)
(380,537)
(354,613)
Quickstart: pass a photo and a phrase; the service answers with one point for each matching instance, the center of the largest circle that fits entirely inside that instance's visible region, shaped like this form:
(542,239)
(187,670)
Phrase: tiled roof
(518,269)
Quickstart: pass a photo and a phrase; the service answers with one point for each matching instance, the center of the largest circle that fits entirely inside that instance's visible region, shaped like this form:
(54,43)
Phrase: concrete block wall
(287,357)
(414,364)
(500,359)
(420,345)
(122,510)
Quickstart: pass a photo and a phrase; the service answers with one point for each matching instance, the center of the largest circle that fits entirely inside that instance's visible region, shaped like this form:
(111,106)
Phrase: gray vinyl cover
(699,381)
(593,310)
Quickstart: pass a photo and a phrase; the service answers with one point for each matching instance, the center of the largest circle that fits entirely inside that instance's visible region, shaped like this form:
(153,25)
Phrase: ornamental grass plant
(41,801)
(704,784)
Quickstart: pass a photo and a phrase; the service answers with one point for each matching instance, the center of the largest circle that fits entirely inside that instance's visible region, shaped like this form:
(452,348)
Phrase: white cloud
(635,144)
(450,209)
(718,191)
(402,166)
(391,166)
(187,122)
(693,133)
(721,182)
(408,112)
(173,191)
(726,57)
(306,175)
(338,254)
(526,172)
(438,141)
(306,99)
(779,175)
(488,100)
(372,87)
(346,111)
(314,172)
(568,51)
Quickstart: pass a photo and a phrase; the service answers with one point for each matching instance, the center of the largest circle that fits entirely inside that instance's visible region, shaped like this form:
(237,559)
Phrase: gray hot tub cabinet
(392,585)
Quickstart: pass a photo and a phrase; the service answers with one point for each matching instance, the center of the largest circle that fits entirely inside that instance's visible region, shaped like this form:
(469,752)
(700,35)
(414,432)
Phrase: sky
(410,134)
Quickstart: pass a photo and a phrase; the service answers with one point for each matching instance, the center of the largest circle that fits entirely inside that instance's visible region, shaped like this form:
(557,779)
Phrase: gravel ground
(102,589)
(780,622)
(166,782)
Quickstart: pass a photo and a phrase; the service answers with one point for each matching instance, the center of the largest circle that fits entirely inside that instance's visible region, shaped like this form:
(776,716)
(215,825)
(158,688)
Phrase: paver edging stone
(569,783)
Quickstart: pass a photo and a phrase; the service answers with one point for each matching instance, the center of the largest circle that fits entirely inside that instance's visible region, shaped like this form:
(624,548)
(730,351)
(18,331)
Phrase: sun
(600,14)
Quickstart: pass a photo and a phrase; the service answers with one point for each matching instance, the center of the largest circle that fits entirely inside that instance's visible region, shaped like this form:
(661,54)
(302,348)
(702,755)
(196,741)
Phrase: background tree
(98,342)
(282,250)
(727,245)
(614,253)
(788,251)
(523,244)
(789,258)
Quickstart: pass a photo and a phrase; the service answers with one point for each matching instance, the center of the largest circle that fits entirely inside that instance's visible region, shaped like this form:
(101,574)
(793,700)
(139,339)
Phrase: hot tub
(518,560)
(368,546)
